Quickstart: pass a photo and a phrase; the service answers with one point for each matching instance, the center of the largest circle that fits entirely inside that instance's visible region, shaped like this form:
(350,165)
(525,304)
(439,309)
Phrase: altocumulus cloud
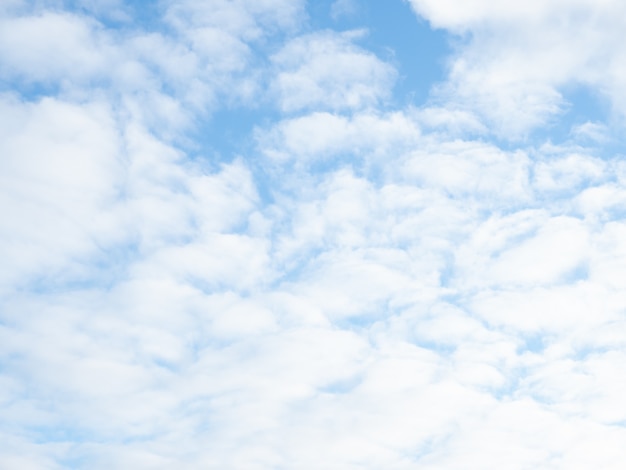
(228,242)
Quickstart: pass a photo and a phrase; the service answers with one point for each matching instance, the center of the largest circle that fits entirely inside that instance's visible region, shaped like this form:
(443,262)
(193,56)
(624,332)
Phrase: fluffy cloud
(358,286)
(61,175)
(517,61)
(322,136)
(326,71)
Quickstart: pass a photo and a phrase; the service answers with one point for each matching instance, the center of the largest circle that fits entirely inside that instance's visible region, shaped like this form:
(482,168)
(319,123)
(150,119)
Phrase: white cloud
(469,167)
(452,121)
(240,18)
(321,136)
(51,47)
(326,71)
(367,288)
(609,262)
(525,248)
(591,131)
(567,173)
(517,58)
(61,175)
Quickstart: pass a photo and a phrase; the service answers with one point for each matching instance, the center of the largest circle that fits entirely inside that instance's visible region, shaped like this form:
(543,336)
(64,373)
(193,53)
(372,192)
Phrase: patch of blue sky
(456,297)
(166,365)
(147,14)
(583,104)
(61,433)
(444,349)
(74,458)
(534,343)
(27,90)
(77,454)
(576,274)
(60,282)
(32,90)
(342,386)
(395,35)
(367,320)
(264,182)
(512,387)
(226,130)
(228,133)
(586,119)
(615,213)
(447,271)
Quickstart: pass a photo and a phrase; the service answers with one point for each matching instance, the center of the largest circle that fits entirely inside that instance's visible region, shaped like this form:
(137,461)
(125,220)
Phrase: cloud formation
(359,284)
(517,64)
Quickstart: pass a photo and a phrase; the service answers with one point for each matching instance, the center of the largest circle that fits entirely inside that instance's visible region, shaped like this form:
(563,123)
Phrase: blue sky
(283,234)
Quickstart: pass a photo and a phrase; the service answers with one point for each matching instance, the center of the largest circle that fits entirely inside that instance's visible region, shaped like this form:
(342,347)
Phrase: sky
(289,234)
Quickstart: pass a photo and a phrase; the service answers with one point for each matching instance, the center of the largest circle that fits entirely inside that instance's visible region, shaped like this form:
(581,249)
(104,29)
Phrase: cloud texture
(357,284)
